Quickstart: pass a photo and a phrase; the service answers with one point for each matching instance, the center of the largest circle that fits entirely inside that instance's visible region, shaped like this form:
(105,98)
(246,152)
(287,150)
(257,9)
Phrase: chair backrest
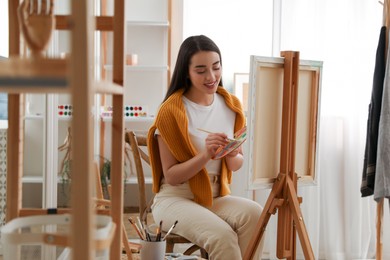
(138,143)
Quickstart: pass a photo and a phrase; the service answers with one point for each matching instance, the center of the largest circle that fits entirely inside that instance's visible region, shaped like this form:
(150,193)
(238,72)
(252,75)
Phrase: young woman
(190,186)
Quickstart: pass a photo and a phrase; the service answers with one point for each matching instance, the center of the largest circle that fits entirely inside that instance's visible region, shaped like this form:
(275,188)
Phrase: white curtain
(344,35)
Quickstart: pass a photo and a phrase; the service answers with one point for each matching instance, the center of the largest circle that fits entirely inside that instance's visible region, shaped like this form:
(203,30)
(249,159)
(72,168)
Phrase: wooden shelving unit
(148,28)
(73,76)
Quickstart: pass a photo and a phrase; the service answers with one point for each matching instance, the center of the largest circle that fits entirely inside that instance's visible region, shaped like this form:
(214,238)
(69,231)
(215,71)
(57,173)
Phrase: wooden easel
(283,196)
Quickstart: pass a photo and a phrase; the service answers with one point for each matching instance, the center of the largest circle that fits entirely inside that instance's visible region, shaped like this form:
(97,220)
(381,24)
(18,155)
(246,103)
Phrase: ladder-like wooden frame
(72,76)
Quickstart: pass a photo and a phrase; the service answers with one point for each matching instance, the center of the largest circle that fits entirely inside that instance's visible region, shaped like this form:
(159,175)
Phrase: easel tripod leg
(285,231)
(268,209)
(298,219)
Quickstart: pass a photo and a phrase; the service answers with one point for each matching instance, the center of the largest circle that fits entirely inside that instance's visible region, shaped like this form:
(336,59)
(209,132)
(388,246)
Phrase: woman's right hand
(213,142)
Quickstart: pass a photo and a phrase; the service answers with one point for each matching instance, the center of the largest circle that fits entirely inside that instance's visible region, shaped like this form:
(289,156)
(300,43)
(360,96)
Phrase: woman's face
(205,72)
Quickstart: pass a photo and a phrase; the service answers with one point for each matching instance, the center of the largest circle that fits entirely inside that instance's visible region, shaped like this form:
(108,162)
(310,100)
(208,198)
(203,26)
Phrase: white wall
(240,29)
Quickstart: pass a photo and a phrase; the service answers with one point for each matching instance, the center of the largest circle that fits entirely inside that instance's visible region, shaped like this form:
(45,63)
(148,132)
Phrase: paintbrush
(170,230)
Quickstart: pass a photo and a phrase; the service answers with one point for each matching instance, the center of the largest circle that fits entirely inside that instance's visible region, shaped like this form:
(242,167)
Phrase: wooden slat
(15,125)
(103,61)
(23,88)
(43,76)
(13,28)
(106,87)
(15,136)
(103,23)
(285,230)
(82,230)
(102,87)
(117,173)
(19,75)
(19,67)
(24,212)
(117,129)
(62,22)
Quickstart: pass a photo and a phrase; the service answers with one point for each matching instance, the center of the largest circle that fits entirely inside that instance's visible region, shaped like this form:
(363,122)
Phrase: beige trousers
(223,230)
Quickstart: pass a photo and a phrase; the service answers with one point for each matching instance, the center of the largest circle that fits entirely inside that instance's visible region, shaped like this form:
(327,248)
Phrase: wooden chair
(102,203)
(138,143)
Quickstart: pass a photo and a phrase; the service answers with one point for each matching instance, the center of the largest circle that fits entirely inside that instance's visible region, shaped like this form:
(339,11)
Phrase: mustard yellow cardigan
(172,123)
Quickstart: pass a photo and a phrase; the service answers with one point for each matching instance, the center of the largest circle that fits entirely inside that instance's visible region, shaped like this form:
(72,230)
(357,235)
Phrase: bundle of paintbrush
(146,234)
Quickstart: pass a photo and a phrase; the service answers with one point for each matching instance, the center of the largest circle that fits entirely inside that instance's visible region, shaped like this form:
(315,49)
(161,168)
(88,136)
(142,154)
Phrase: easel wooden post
(283,195)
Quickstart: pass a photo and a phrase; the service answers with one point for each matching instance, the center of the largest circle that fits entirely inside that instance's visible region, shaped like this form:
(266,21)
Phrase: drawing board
(265,121)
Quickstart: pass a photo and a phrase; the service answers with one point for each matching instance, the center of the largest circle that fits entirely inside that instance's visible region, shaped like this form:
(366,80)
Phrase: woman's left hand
(234,159)
(234,152)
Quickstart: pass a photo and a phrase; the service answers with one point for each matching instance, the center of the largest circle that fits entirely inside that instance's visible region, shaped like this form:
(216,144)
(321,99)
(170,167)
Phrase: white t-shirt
(217,117)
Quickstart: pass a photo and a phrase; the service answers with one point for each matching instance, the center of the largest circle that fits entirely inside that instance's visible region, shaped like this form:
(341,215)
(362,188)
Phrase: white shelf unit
(147,32)
(147,81)
(44,131)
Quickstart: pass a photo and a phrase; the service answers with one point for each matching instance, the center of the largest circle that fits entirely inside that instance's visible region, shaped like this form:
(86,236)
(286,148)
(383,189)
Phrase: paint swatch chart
(65,110)
(130,111)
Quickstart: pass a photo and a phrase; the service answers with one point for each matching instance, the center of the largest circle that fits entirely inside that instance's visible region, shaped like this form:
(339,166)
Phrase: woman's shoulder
(227,95)
(171,108)
(174,102)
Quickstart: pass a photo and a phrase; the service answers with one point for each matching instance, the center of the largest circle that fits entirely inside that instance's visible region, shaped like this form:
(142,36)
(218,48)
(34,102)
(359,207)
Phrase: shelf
(131,119)
(148,23)
(64,118)
(36,179)
(19,75)
(140,68)
(108,87)
(133,180)
(39,179)
(32,179)
(34,117)
(146,68)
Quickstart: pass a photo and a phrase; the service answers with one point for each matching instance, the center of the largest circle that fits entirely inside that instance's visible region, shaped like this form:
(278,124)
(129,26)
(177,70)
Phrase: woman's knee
(255,209)
(222,244)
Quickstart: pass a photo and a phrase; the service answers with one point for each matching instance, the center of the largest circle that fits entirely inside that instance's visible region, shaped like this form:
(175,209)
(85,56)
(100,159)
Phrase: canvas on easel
(265,121)
(283,123)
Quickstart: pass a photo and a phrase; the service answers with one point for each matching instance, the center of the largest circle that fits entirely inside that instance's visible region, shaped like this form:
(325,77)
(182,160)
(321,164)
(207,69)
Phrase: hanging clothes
(382,176)
(374,111)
